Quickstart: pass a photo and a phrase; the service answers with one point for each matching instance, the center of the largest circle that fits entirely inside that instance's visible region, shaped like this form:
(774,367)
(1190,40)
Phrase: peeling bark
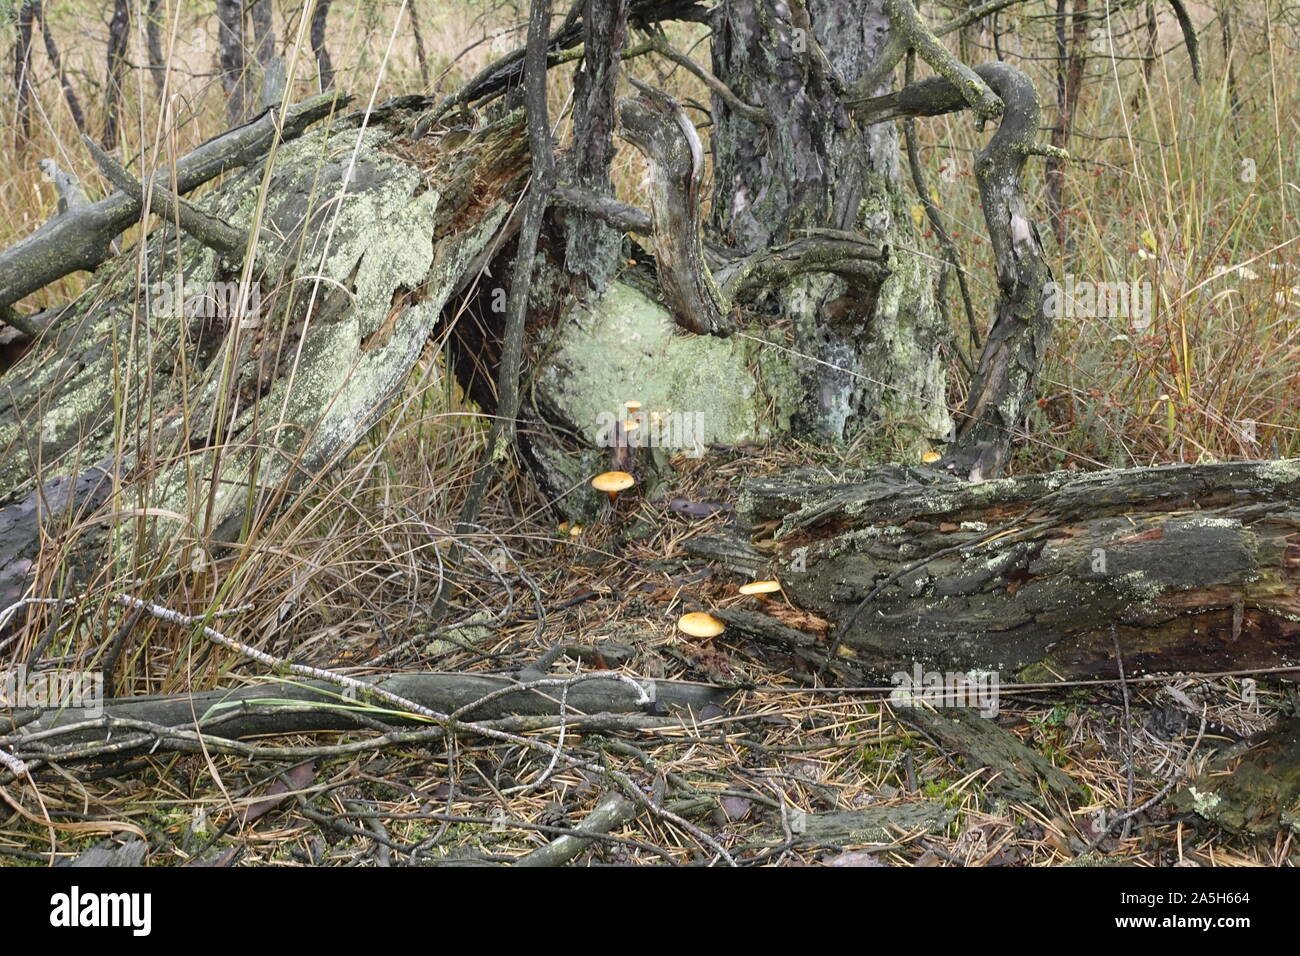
(1197,568)
(338,328)
(656,125)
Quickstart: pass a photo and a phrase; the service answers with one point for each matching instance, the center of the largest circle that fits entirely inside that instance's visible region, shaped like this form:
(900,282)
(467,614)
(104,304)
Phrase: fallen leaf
(854,858)
(277,793)
(736,808)
(697,509)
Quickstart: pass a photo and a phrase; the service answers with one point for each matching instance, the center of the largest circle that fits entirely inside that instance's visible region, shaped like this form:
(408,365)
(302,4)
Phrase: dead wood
(1195,567)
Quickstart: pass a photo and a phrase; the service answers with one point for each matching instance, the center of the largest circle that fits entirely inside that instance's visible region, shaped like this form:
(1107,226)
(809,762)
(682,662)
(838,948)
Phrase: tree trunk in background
(318,19)
(56,60)
(593,247)
(22,74)
(119,41)
(263,31)
(153,40)
(234,77)
(418,36)
(271,69)
(871,355)
(1071,57)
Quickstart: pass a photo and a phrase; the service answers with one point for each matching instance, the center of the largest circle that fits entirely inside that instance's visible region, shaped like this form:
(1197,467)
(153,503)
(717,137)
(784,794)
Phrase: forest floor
(1185,187)
(780,752)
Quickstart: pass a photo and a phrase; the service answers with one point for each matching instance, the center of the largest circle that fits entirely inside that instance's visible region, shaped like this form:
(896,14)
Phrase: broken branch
(80,239)
(213,233)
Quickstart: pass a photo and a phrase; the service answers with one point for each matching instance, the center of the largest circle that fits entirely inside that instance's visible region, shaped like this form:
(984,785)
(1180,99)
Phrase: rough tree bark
(871,352)
(1192,567)
(234,74)
(862,342)
(119,41)
(593,247)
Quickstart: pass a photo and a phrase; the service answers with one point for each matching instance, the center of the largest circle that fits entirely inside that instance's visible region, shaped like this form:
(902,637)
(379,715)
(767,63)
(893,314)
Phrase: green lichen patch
(626,347)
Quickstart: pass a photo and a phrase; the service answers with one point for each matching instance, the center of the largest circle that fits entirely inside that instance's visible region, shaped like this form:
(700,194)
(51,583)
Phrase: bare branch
(213,233)
(973,89)
(81,239)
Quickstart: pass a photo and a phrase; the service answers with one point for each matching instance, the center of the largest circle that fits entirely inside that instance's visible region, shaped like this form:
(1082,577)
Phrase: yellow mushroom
(612,482)
(700,624)
(760,589)
(930,457)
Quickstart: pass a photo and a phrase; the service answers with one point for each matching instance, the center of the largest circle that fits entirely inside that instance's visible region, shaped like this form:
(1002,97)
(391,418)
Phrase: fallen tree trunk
(1190,567)
(199,396)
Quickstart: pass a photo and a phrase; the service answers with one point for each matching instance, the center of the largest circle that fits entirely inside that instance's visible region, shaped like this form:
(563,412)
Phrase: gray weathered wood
(1195,567)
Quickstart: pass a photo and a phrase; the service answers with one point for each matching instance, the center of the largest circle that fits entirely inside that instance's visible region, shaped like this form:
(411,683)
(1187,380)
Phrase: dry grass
(1173,187)
(773,748)
(348,575)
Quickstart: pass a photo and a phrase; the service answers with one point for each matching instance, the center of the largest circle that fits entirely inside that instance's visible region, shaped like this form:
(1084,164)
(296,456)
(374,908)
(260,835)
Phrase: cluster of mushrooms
(702,624)
(699,624)
(620,479)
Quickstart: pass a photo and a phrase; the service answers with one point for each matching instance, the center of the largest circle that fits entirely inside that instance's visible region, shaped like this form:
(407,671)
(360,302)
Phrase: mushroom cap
(760,587)
(613,481)
(632,407)
(930,457)
(700,624)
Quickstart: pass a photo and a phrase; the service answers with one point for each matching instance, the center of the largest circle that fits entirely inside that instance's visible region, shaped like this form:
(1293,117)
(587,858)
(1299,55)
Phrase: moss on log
(1252,787)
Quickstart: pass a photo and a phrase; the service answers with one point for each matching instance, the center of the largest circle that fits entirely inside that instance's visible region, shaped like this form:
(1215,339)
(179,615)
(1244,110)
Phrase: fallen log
(1251,787)
(1193,568)
(1019,773)
(304,706)
(248,384)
